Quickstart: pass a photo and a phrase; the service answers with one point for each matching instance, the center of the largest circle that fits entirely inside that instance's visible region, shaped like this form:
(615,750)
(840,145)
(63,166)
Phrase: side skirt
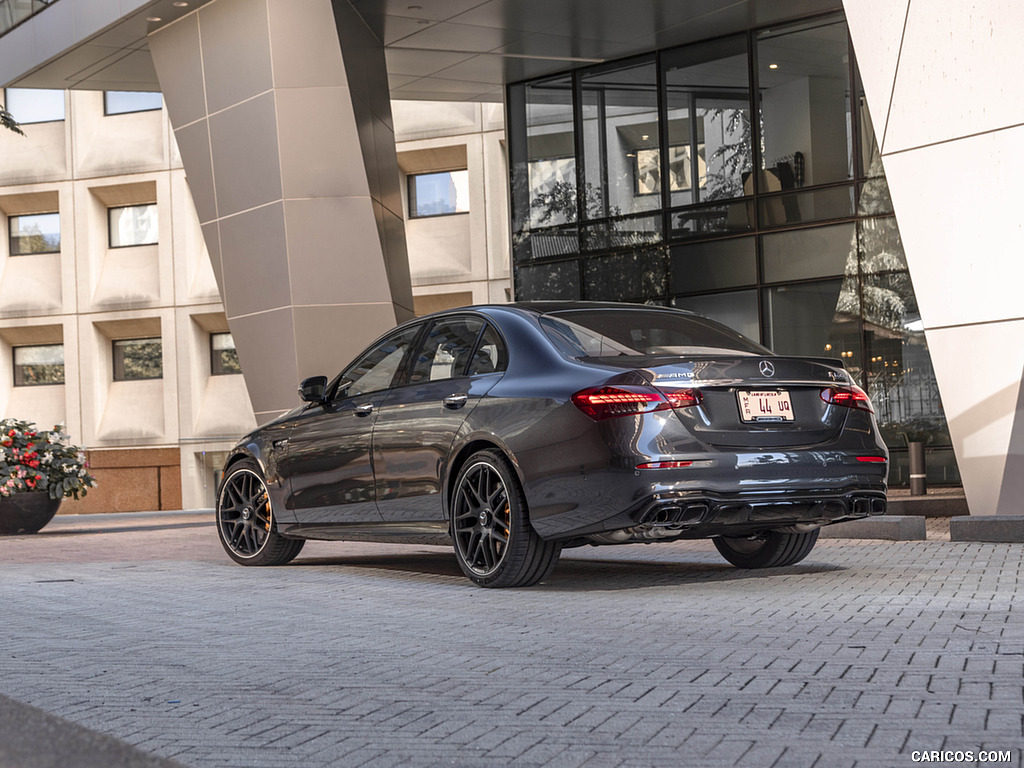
(430,533)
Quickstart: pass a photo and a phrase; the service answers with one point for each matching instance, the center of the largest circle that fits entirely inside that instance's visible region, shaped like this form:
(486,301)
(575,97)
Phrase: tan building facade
(98,301)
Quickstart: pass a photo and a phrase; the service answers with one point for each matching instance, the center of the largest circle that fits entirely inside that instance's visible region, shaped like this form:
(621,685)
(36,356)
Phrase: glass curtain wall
(739,178)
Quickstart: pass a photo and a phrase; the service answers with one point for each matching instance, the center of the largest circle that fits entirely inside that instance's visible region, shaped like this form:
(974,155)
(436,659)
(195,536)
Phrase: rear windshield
(615,332)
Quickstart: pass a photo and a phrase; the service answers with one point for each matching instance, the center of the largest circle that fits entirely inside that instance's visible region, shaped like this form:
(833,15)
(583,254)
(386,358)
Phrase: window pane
(803,79)
(809,205)
(819,319)
(120,102)
(627,276)
(713,265)
(39,365)
(35,105)
(138,359)
(543,167)
(445,351)
(621,141)
(611,333)
(708,98)
(39,233)
(737,309)
(624,232)
(704,220)
(133,225)
(223,356)
(438,194)
(375,370)
(804,253)
(490,355)
(548,281)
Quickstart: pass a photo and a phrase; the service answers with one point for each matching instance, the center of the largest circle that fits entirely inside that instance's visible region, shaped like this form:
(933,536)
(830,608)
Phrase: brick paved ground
(642,656)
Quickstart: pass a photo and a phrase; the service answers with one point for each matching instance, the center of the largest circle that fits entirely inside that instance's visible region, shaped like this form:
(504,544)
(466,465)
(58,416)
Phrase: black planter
(26,512)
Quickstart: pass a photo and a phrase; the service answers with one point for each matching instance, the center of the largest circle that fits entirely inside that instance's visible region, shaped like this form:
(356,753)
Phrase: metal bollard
(918,482)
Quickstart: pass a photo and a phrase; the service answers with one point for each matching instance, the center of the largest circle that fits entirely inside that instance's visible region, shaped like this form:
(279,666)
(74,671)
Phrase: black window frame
(16,368)
(216,369)
(114,344)
(110,227)
(10,233)
(22,121)
(410,178)
(108,113)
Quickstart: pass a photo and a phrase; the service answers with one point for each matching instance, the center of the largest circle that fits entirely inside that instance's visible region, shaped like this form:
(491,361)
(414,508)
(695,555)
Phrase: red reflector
(606,402)
(664,464)
(872,459)
(848,397)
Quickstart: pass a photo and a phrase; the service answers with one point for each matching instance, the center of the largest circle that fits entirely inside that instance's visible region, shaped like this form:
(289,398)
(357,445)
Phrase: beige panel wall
(950,117)
(462,258)
(89,294)
(288,143)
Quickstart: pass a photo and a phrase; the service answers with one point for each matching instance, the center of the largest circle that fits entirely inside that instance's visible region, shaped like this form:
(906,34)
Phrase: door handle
(364,410)
(455,401)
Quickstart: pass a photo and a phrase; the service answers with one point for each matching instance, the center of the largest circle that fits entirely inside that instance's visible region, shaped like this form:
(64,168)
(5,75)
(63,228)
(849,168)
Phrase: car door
(458,360)
(329,465)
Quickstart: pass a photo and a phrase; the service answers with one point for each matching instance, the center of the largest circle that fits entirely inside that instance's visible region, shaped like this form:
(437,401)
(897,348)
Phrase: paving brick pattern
(639,657)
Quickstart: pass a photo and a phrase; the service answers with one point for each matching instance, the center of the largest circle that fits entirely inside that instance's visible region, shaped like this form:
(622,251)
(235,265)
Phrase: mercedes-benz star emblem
(766,368)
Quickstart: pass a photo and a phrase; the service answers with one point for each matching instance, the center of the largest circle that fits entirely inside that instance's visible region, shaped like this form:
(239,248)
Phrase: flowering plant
(41,460)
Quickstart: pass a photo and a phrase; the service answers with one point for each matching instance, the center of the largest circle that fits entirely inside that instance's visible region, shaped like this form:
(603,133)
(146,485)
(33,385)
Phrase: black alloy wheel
(245,520)
(494,542)
(770,549)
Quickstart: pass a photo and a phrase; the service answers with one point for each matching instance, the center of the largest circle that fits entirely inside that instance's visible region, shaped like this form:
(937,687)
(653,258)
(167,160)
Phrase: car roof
(547,307)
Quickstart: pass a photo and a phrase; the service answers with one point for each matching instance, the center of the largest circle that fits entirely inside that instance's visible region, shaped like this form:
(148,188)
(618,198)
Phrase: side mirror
(311,390)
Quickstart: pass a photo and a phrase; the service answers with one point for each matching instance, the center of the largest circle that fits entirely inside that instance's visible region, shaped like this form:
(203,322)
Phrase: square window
(136,359)
(438,194)
(39,365)
(133,225)
(35,105)
(123,102)
(223,355)
(38,233)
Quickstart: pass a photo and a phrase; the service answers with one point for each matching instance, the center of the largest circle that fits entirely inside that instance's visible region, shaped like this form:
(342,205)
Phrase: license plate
(765,405)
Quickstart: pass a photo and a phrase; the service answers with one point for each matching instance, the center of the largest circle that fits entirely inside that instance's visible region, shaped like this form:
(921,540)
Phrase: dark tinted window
(490,356)
(446,349)
(138,359)
(376,369)
(614,332)
(43,364)
(223,355)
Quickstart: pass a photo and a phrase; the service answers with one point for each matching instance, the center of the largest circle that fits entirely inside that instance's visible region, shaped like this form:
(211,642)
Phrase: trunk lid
(780,397)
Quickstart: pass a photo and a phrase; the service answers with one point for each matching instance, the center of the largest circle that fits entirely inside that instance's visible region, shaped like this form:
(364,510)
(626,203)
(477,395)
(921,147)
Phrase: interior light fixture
(773,66)
(153,18)
(180,4)
(645,137)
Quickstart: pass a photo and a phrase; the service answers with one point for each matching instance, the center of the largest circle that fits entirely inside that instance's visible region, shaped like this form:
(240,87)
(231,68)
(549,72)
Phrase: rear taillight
(607,402)
(848,397)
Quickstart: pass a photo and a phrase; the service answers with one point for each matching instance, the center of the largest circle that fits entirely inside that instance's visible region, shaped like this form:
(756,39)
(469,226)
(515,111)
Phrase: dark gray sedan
(513,431)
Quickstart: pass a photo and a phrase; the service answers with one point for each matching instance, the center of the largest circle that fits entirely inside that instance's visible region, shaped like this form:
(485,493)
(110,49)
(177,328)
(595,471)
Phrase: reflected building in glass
(739,178)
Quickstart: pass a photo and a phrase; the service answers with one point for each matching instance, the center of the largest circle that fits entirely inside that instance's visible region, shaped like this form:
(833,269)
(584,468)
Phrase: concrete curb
(889,527)
(989,528)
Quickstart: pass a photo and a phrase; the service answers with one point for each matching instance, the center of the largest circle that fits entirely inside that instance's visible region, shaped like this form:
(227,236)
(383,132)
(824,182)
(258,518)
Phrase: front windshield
(616,332)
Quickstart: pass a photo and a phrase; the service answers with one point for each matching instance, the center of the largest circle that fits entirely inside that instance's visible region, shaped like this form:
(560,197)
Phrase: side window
(490,356)
(376,369)
(446,349)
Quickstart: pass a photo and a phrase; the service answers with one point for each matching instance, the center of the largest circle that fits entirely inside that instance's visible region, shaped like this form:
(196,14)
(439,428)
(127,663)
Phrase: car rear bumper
(701,514)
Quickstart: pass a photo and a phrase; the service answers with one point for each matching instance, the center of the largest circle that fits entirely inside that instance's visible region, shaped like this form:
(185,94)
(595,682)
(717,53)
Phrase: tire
(771,549)
(246,525)
(494,542)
